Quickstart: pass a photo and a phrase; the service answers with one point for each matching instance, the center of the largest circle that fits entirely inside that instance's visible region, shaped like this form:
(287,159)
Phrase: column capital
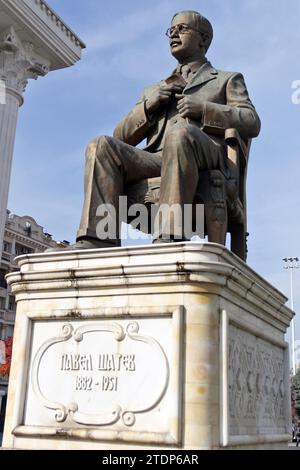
(19,62)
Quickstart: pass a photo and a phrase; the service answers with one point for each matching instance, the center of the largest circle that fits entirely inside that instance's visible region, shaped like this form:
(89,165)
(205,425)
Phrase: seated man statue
(183,118)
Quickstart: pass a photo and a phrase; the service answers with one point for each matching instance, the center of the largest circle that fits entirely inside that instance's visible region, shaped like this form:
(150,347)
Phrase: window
(22,250)
(11,303)
(2,278)
(2,304)
(7,247)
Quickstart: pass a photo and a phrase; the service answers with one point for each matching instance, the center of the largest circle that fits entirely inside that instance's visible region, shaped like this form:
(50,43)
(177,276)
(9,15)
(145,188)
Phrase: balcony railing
(6,256)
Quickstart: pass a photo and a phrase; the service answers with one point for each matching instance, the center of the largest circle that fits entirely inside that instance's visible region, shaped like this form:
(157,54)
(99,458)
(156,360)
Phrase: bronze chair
(222,193)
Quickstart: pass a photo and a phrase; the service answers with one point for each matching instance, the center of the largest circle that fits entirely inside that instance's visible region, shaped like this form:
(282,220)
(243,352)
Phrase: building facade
(34,41)
(22,235)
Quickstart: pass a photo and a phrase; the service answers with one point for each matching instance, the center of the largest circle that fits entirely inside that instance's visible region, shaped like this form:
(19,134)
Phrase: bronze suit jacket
(226,105)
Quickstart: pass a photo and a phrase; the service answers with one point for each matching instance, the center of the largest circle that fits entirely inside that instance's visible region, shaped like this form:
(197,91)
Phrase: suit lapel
(175,79)
(205,74)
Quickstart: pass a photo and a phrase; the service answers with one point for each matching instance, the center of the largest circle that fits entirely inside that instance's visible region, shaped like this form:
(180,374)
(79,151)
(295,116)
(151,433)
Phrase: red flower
(5,368)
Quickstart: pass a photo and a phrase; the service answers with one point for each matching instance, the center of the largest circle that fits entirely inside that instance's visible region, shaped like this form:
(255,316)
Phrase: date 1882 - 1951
(88,384)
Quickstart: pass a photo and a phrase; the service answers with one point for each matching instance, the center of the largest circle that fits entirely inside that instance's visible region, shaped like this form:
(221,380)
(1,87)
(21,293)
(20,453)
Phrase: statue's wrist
(148,112)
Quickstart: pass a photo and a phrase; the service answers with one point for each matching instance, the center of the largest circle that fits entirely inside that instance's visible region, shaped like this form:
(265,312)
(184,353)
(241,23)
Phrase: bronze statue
(198,123)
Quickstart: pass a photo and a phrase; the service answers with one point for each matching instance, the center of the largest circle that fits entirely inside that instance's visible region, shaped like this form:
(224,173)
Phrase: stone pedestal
(165,346)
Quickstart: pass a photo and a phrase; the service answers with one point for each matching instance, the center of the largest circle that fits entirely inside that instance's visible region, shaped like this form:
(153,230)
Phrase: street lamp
(291,264)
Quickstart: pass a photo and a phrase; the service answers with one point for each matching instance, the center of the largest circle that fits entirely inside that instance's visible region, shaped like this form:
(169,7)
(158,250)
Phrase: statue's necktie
(185,71)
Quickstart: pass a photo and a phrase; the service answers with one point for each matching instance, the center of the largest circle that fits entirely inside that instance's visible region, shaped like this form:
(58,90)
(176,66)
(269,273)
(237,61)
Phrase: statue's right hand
(161,96)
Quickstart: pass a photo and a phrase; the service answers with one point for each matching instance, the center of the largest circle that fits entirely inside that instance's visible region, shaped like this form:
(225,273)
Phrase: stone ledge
(126,268)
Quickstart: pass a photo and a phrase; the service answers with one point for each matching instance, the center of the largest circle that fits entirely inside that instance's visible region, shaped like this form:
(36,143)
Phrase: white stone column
(8,121)
(18,63)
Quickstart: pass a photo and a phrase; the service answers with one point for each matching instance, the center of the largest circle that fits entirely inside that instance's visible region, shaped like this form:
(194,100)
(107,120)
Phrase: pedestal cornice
(194,264)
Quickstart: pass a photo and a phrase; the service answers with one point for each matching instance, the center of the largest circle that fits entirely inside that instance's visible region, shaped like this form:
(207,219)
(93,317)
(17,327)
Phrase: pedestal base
(165,346)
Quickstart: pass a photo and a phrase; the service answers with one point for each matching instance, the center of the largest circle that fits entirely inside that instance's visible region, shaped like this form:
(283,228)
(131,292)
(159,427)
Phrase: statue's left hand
(189,106)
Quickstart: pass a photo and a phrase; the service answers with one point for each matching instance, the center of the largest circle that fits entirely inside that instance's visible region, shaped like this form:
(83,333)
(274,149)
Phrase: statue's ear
(205,38)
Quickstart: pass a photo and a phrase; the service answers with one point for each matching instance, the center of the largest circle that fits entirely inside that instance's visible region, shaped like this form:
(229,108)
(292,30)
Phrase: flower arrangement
(5,368)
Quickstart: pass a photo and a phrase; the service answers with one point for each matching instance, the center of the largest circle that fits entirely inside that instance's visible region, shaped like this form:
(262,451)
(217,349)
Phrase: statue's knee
(176,137)
(178,134)
(91,148)
(97,145)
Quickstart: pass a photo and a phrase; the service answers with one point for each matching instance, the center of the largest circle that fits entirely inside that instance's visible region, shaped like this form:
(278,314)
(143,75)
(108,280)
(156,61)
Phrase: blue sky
(126,51)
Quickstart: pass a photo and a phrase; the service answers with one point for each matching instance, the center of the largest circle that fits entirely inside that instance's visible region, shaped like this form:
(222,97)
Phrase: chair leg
(216,222)
(213,193)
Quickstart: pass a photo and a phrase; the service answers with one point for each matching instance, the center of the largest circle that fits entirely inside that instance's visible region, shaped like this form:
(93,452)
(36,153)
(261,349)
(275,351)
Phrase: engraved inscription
(84,383)
(109,384)
(102,368)
(116,361)
(88,384)
(105,362)
(76,362)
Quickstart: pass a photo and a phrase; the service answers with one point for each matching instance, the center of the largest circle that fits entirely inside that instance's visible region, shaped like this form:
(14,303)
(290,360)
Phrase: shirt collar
(194,66)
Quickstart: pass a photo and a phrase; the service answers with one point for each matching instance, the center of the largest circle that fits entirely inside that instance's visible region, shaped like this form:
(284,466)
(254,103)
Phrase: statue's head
(190,35)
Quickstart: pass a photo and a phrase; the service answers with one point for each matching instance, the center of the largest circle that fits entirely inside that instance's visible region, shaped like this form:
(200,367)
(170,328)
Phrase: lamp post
(291,264)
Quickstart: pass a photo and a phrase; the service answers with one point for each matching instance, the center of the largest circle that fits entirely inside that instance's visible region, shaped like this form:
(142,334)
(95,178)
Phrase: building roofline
(35,22)
(56,18)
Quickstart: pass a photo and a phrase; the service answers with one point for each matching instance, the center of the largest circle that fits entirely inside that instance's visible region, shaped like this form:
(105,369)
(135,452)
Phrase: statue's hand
(189,106)
(161,96)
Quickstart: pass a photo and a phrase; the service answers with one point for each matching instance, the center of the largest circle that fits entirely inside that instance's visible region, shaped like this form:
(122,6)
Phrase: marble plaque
(106,374)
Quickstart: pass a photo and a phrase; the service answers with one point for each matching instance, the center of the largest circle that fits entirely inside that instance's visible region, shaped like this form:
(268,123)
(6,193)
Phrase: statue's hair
(201,23)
